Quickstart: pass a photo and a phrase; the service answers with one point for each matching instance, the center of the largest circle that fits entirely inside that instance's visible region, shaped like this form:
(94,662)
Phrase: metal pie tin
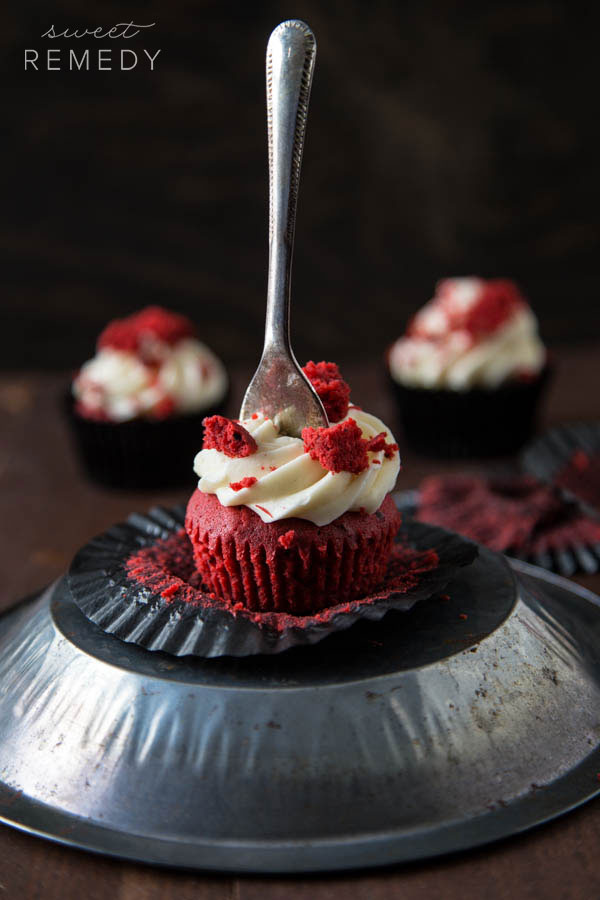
(437,729)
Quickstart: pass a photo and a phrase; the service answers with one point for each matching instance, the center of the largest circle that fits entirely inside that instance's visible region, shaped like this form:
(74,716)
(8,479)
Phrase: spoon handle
(291,53)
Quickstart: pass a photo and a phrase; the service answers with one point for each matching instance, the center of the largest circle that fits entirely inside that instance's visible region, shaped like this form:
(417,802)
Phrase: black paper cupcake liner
(567,561)
(474,423)
(151,615)
(141,453)
(548,455)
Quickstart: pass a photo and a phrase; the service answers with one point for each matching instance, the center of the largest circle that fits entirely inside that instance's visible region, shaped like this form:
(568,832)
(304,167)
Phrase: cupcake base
(475,423)
(290,565)
(142,453)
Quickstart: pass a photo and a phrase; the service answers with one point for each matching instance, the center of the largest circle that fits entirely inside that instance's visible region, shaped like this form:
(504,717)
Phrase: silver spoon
(279,388)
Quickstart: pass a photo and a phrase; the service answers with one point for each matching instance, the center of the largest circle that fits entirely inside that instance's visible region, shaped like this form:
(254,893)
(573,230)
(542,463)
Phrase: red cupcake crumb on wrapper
(155,597)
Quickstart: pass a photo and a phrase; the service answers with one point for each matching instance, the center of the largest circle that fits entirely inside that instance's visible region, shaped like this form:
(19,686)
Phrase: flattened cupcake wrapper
(566,561)
(141,453)
(151,615)
(546,456)
(472,423)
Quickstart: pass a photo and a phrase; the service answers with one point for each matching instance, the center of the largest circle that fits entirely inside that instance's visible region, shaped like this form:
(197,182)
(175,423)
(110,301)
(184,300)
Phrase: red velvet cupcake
(295,524)
(290,565)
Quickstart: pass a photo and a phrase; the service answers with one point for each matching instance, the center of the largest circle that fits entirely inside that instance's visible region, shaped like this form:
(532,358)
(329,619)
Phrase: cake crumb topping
(378,443)
(244,483)
(339,448)
(228,436)
(342,448)
(153,322)
(333,391)
(474,306)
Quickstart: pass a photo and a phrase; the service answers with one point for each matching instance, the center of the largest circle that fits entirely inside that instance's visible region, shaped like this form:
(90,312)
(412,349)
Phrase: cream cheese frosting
(119,386)
(289,483)
(441,351)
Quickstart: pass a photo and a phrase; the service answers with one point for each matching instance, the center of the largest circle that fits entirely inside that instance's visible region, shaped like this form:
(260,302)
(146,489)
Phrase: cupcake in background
(469,372)
(137,407)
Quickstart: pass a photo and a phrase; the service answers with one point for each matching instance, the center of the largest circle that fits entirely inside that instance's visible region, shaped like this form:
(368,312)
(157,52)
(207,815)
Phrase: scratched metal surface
(465,721)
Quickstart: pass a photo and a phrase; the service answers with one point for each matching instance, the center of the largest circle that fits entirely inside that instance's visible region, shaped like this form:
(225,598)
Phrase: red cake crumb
(339,448)
(228,436)
(96,413)
(580,460)
(288,539)
(334,392)
(581,477)
(405,568)
(246,482)
(497,302)
(151,322)
(164,408)
(378,443)
(167,568)
(526,376)
(517,514)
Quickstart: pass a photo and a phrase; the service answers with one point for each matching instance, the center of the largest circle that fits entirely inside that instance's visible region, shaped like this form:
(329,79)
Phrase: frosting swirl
(118,385)
(283,481)
(473,333)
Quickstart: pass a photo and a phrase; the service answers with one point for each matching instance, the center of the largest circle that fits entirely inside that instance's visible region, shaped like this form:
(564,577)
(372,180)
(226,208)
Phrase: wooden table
(49,510)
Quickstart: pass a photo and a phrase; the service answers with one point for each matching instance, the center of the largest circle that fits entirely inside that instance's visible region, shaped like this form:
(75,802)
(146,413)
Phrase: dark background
(442,139)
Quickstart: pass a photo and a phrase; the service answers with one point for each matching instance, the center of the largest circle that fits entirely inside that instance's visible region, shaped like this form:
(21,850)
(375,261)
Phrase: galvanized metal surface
(424,733)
